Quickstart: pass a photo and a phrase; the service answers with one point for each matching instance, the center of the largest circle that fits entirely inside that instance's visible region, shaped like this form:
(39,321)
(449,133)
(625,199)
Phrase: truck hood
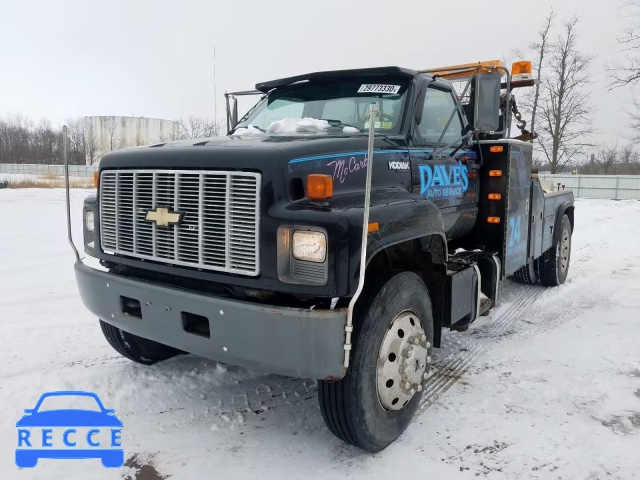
(254,152)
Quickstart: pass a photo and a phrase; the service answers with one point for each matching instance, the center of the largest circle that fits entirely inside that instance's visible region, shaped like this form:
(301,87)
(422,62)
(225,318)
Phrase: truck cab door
(448,181)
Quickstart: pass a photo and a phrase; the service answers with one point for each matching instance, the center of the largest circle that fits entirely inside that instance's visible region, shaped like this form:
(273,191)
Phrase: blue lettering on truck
(443,181)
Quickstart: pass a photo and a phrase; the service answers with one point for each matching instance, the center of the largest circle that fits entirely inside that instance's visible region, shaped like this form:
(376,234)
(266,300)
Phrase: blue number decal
(515,226)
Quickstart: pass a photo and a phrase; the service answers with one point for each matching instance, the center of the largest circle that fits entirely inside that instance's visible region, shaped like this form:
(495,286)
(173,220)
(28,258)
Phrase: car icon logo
(91,431)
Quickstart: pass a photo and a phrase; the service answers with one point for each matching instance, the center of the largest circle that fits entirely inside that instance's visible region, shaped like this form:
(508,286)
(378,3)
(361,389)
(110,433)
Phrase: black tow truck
(248,249)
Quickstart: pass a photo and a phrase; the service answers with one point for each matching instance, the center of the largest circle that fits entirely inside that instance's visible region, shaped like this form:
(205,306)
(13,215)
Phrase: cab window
(437,108)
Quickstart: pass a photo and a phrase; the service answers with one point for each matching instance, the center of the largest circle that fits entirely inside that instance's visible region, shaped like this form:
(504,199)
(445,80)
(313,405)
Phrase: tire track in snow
(455,365)
(460,351)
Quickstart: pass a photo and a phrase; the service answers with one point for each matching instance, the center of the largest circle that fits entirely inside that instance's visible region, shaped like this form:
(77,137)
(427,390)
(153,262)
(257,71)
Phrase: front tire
(393,346)
(554,263)
(135,348)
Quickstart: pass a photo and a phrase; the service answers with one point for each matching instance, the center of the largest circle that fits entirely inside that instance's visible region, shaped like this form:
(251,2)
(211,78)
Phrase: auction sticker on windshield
(371,88)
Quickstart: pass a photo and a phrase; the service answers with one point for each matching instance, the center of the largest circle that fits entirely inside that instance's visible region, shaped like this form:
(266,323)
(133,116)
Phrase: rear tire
(135,348)
(526,275)
(554,263)
(385,358)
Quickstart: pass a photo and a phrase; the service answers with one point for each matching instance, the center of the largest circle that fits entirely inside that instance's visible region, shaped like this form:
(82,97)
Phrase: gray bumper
(286,341)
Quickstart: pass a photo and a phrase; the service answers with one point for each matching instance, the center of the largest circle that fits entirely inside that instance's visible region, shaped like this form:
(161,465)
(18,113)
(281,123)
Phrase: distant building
(106,134)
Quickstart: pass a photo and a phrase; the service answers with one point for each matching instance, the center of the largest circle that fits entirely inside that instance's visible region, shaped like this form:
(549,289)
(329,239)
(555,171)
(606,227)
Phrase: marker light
(493,219)
(496,149)
(319,187)
(95,179)
(495,196)
(373,227)
(495,173)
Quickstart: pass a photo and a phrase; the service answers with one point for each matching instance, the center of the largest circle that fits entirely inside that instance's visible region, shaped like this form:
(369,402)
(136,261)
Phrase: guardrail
(81,171)
(614,187)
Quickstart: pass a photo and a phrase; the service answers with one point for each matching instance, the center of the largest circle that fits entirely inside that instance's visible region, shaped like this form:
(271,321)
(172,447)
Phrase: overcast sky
(63,58)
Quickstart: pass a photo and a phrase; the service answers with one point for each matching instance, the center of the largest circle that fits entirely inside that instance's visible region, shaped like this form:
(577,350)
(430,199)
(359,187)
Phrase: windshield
(339,106)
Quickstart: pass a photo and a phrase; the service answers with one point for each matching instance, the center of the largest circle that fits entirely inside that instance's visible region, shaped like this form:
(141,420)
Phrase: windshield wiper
(462,142)
(237,127)
(340,123)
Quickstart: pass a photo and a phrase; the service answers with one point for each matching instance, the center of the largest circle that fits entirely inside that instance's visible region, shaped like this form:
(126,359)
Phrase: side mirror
(234,116)
(232,111)
(419,103)
(487,102)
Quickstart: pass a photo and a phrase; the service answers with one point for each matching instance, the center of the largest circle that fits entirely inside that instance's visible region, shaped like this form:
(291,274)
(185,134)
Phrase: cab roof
(320,76)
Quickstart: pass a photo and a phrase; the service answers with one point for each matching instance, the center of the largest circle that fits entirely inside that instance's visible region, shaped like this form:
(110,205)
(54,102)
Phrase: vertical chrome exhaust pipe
(65,150)
(365,237)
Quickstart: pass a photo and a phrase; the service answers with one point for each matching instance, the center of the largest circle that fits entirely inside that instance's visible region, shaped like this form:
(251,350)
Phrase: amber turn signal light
(95,179)
(493,219)
(496,149)
(373,227)
(495,196)
(319,187)
(495,173)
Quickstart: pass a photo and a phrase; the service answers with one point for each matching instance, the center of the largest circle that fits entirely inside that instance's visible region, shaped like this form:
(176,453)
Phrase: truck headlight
(302,255)
(89,220)
(309,246)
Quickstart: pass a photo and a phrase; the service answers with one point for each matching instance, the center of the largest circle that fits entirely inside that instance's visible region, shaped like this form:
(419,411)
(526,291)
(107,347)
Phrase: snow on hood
(292,125)
(248,130)
(295,125)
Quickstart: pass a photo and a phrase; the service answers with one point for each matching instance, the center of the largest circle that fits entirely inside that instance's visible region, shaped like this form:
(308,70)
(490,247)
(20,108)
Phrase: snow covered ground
(547,386)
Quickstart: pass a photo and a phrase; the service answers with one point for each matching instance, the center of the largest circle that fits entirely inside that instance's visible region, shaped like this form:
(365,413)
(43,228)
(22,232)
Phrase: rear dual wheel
(554,264)
(552,267)
(393,346)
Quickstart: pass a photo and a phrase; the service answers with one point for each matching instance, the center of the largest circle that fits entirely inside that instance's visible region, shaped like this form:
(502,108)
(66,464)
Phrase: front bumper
(287,341)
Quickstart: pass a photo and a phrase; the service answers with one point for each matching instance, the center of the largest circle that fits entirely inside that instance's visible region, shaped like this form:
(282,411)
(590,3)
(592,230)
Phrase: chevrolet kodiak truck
(248,249)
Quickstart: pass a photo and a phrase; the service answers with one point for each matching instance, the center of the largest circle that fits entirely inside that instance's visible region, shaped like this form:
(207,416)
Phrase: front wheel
(135,348)
(393,346)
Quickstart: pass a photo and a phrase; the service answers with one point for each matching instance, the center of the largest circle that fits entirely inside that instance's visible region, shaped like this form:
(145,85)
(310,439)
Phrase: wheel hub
(403,361)
(564,249)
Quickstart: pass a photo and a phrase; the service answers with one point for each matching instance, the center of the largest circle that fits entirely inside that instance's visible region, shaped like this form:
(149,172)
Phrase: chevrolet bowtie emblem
(163,217)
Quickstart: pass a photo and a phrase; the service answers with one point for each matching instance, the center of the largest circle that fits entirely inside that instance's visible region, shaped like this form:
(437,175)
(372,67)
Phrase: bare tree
(17,140)
(23,141)
(565,107)
(46,144)
(628,72)
(635,121)
(608,157)
(541,47)
(77,143)
(113,140)
(613,160)
(628,155)
(198,127)
(90,141)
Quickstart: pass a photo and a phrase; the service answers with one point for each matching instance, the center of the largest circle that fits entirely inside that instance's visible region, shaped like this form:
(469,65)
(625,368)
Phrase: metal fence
(81,171)
(615,187)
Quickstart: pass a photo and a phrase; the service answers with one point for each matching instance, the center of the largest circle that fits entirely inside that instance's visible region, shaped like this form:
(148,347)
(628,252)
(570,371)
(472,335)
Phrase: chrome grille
(219,227)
